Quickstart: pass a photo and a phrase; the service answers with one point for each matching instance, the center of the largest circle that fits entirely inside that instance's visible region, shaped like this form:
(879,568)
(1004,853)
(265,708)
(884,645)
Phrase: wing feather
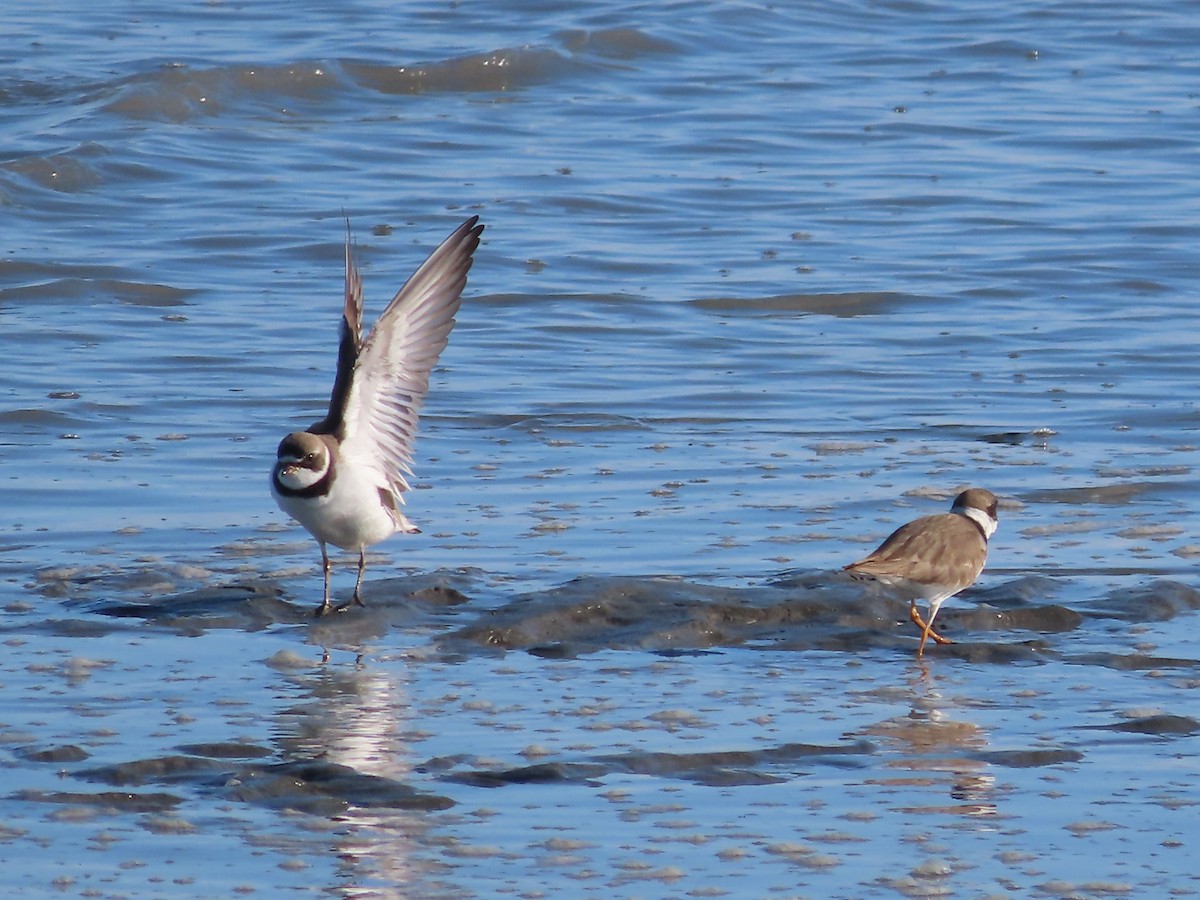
(349,344)
(391,374)
(918,553)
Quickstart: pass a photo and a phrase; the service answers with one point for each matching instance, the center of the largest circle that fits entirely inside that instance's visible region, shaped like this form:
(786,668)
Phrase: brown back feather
(914,550)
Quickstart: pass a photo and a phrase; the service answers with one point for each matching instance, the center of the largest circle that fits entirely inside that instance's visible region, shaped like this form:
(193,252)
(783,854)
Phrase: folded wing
(929,555)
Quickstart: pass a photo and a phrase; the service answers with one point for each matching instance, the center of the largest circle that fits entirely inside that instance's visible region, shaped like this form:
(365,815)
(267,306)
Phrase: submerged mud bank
(1023,618)
(638,730)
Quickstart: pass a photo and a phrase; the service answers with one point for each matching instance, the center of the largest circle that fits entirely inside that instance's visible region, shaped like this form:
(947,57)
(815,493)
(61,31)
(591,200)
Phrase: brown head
(978,505)
(301,461)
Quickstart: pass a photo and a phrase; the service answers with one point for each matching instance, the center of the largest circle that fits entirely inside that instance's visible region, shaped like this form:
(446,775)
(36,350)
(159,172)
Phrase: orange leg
(927,631)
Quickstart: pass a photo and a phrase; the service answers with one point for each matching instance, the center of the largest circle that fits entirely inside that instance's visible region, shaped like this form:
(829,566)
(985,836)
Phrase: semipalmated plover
(343,479)
(935,557)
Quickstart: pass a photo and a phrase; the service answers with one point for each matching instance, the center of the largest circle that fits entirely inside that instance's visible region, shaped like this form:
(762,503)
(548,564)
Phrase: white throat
(980,518)
(298,478)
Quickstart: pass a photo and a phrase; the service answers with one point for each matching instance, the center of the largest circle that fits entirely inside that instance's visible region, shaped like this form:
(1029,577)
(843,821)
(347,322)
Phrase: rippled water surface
(758,284)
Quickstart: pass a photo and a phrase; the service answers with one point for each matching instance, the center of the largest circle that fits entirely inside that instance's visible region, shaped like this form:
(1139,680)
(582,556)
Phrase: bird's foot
(915,615)
(353,601)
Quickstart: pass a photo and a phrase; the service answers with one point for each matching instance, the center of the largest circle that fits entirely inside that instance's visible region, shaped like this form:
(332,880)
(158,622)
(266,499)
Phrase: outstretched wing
(391,375)
(349,343)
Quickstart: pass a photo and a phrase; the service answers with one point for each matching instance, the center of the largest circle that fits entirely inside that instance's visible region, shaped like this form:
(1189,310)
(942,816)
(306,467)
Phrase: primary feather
(390,375)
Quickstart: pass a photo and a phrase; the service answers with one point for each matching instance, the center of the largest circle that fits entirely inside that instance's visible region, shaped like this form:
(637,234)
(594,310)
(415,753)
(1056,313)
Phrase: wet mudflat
(606,735)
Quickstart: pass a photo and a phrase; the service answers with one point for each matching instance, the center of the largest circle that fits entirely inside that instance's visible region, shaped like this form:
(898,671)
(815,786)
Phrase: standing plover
(344,477)
(935,557)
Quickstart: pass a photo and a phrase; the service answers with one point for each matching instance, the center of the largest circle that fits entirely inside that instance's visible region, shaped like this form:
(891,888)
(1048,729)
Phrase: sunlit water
(759,283)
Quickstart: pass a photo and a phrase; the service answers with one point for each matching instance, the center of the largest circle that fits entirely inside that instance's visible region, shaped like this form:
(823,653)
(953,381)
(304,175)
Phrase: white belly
(350,516)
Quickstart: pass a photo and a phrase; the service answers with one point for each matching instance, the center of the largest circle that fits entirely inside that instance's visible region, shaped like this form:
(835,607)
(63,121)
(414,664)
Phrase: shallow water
(758,284)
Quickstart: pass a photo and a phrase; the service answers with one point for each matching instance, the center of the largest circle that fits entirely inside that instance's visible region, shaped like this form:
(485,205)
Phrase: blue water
(758,284)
